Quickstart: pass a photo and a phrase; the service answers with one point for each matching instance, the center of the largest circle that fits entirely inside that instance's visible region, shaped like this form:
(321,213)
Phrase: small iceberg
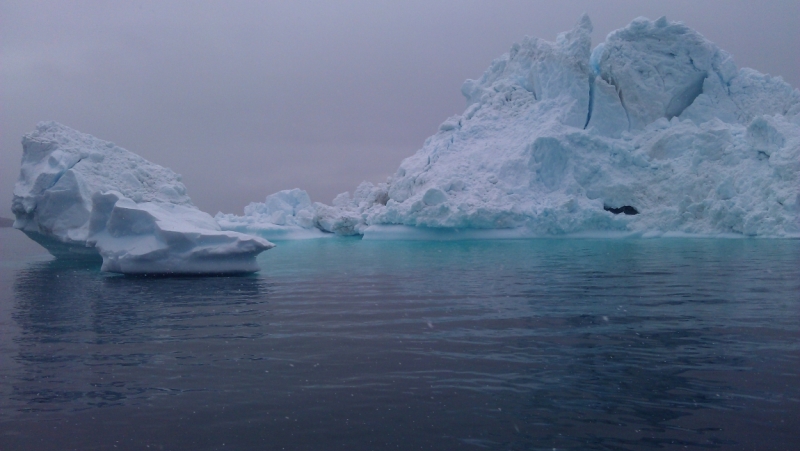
(285,215)
(80,196)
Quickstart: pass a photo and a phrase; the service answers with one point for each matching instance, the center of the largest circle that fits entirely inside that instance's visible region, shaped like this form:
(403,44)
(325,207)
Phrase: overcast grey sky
(245,98)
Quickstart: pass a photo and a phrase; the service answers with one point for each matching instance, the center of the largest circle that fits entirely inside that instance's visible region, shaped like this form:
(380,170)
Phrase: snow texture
(655,132)
(78,195)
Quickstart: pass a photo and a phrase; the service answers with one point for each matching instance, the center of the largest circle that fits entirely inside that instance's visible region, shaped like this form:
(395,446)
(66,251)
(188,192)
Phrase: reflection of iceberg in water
(91,340)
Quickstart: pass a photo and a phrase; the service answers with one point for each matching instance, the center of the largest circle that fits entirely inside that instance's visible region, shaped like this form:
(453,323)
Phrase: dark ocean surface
(343,344)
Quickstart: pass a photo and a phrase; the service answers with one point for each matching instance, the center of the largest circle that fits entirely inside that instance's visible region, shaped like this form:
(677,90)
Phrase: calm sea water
(343,344)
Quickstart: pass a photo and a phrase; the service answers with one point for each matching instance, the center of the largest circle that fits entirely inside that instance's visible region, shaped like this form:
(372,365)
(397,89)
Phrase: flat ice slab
(79,196)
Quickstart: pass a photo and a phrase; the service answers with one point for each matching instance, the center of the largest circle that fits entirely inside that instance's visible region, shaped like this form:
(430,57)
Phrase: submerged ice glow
(653,132)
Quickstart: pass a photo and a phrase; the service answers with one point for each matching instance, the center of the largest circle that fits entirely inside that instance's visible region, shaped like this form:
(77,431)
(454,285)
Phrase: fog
(246,98)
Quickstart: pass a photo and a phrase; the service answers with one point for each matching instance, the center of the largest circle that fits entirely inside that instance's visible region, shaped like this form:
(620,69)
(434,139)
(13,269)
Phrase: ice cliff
(78,195)
(654,132)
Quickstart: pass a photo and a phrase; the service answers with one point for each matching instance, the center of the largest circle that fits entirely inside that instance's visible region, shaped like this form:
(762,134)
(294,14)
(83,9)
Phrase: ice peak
(585,23)
(659,68)
(580,37)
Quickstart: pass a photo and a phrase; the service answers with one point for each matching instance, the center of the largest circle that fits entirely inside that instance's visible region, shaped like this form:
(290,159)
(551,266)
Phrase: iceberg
(654,132)
(285,215)
(80,196)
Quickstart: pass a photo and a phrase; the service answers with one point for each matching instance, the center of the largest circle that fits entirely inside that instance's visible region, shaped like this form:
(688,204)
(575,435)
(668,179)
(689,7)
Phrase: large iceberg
(80,196)
(654,132)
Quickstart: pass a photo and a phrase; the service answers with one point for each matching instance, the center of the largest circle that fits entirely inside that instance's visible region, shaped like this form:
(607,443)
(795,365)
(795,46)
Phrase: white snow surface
(77,194)
(556,136)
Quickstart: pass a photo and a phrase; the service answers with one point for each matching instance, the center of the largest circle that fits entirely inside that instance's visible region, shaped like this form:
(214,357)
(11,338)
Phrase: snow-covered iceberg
(654,132)
(80,196)
(285,215)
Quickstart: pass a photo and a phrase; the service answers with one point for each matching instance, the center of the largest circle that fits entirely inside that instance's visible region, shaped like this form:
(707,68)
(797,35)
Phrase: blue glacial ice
(80,196)
(655,132)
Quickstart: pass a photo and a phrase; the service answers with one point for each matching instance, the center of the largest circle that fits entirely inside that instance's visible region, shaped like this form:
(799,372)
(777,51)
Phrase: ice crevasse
(654,132)
(81,196)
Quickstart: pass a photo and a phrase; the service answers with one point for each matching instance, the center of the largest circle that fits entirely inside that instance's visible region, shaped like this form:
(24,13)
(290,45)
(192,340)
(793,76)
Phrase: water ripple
(572,344)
